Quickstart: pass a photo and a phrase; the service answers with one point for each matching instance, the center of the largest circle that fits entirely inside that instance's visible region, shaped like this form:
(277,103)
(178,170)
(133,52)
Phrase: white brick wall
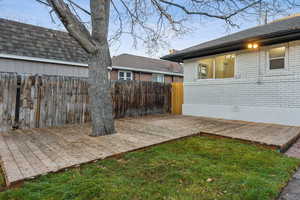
(274,96)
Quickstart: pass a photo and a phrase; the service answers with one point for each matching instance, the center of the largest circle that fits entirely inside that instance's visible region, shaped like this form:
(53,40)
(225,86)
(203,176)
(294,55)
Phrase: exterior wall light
(252,45)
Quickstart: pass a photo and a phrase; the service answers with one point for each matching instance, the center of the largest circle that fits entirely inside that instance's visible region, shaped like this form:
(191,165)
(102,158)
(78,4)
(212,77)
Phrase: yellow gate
(177,98)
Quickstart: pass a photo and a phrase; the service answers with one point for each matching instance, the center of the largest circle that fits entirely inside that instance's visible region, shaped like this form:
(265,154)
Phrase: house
(132,67)
(252,75)
(32,49)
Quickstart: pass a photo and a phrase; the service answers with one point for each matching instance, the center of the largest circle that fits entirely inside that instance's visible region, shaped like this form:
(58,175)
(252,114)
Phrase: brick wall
(254,94)
(146,76)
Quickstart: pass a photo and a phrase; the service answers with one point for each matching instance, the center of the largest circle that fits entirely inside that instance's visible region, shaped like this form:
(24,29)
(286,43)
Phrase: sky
(29,11)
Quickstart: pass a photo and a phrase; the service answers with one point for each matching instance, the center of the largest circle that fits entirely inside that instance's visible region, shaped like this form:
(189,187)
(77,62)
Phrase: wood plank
(58,145)
(50,164)
(8,163)
(89,144)
(51,149)
(154,130)
(81,152)
(24,166)
(20,140)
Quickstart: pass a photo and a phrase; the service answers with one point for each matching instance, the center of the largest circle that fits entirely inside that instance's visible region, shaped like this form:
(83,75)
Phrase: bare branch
(79,7)
(154,22)
(72,24)
(224,17)
(42,2)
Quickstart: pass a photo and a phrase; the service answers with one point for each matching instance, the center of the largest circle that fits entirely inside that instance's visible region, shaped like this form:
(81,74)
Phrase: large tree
(149,21)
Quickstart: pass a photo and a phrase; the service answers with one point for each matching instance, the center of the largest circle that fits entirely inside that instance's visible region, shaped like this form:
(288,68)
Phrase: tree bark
(99,91)
(96,45)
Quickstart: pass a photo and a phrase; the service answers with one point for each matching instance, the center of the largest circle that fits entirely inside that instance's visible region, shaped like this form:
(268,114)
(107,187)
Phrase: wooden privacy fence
(47,101)
(177,98)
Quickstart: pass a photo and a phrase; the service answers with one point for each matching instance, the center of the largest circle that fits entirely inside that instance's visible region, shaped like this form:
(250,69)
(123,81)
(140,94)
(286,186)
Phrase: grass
(2,180)
(193,168)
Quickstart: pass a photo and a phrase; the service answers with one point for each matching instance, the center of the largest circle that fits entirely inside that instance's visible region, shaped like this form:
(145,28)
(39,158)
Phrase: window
(125,75)
(225,66)
(205,69)
(276,58)
(158,78)
(218,67)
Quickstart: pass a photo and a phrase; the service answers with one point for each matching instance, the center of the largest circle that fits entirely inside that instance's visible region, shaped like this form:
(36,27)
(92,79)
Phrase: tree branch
(100,10)
(73,25)
(224,17)
(42,2)
(79,7)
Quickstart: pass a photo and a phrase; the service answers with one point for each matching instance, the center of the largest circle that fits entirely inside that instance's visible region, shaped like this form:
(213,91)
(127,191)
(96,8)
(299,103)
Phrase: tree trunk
(96,45)
(99,91)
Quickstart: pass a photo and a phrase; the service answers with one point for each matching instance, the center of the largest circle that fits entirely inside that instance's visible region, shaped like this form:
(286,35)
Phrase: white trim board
(44,60)
(53,61)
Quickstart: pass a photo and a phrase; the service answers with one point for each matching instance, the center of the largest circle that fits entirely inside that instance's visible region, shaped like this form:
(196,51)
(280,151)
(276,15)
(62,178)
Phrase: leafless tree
(149,21)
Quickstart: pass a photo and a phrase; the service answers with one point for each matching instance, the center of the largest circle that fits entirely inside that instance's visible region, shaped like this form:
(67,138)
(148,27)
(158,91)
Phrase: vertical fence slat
(47,101)
(8,83)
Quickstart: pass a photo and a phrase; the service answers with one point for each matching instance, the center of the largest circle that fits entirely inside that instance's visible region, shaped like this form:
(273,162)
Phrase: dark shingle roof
(28,40)
(33,41)
(140,62)
(284,26)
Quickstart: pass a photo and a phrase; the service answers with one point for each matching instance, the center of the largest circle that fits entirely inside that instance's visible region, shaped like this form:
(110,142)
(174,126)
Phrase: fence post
(18,101)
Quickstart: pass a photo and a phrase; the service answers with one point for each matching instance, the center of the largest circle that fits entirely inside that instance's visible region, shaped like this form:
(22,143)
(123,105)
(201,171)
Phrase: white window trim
(214,67)
(131,75)
(286,60)
(163,76)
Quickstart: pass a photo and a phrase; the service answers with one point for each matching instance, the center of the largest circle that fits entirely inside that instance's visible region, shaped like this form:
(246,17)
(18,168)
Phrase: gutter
(84,65)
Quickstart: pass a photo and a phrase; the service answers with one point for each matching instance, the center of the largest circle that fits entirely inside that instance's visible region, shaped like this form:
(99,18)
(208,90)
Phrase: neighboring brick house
(131,67)
(26,48)
(252,75)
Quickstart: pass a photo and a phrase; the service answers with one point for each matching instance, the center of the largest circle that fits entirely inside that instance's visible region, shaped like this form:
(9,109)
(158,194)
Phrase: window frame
(266,64)
(214,66)
(284,57)
(200,66)
(125,77)
(157,74)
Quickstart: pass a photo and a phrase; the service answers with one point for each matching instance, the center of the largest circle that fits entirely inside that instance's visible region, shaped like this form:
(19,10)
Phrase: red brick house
(132,67)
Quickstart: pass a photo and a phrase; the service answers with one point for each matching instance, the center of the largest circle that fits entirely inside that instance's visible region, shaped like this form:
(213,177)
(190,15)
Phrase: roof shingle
(33,41)
(28,40)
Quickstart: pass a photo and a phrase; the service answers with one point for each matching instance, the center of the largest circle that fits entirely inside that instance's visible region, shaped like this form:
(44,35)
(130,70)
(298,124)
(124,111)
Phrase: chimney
(172,51)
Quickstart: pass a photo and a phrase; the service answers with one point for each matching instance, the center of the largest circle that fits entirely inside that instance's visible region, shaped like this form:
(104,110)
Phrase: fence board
(177,98)
(8,83)
(47,101)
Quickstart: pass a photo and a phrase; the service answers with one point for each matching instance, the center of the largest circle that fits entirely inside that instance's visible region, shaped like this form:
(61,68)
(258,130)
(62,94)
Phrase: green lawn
(193,168)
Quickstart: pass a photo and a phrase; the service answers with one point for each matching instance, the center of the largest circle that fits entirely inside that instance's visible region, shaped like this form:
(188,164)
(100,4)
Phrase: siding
(254,94)
(246,65)
(20,66)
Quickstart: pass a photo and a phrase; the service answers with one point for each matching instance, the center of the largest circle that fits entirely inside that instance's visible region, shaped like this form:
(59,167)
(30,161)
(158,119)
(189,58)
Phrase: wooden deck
(28,153)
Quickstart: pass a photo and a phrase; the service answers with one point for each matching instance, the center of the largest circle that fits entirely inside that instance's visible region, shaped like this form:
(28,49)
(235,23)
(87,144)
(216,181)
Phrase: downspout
(259,74)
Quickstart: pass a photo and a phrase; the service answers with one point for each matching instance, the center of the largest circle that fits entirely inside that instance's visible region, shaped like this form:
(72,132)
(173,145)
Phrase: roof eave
(270,39)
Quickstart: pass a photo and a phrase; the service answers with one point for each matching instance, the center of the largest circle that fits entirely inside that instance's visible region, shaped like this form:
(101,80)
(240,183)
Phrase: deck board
(32,152)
